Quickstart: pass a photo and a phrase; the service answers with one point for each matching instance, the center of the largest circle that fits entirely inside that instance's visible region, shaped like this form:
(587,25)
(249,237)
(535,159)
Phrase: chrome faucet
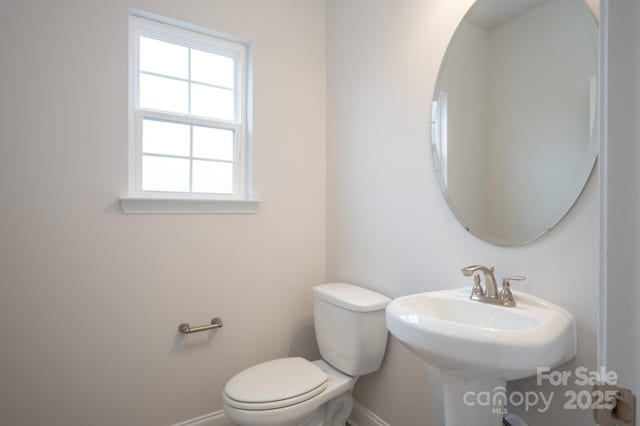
(489,279)
(491,295)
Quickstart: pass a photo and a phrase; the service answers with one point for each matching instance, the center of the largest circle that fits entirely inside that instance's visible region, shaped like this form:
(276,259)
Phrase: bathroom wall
(623,200)
(90,299)
(388,227)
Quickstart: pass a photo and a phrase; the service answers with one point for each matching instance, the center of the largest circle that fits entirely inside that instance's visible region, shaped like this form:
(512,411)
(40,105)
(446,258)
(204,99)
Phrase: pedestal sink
(479,346)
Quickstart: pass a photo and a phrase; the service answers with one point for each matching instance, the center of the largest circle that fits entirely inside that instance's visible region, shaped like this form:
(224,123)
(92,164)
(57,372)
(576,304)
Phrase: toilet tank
(350,327)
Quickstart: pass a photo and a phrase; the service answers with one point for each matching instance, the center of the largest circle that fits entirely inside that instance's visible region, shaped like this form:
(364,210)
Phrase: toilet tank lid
(351,297)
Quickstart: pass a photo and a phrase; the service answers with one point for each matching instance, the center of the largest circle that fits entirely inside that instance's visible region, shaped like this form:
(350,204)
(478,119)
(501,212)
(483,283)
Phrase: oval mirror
(513,123)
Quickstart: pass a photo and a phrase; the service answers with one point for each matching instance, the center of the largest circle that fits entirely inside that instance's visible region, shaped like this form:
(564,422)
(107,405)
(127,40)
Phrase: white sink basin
(452,332)
(478,346)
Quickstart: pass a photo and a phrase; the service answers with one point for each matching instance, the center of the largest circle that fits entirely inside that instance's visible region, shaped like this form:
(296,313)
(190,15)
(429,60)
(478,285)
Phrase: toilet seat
(275,384)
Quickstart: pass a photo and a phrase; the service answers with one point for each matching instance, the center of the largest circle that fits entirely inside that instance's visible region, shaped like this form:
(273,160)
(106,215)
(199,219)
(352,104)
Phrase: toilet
(352,338)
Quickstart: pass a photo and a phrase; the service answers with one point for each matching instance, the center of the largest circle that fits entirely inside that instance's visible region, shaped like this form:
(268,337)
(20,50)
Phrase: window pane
(162,137)
(164,58)
(216,144)
(212,177)
(212,69)
(212,102)
(165,174)
(164,94)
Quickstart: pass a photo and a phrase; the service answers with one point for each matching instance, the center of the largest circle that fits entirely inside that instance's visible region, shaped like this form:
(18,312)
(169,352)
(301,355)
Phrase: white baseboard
(217,418)
(362,416)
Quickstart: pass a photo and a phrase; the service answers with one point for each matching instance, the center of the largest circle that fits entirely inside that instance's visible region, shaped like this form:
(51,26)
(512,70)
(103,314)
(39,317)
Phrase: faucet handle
(477,287)
(505,295)
(507,280)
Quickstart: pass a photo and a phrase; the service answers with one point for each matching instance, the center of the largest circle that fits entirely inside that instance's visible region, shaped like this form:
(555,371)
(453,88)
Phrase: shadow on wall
(187,342)
(303,340)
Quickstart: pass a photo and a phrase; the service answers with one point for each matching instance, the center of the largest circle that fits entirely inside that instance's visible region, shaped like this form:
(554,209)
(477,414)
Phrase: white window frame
(172,31)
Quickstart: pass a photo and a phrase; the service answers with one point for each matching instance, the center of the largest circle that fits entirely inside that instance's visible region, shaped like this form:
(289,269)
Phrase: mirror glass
(513,123)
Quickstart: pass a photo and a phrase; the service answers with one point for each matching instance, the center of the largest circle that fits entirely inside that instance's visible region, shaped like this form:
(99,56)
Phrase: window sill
(161,205)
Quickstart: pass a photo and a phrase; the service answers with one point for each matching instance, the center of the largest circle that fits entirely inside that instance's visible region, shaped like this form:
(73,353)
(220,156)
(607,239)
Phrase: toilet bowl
(298,407)
(352,335)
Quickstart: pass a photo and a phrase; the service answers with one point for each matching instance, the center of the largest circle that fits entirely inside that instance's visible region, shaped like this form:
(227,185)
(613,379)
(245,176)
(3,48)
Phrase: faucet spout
(490,280)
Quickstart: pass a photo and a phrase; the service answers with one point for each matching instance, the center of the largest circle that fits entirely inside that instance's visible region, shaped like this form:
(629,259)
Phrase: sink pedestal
(477,402)
(477,346)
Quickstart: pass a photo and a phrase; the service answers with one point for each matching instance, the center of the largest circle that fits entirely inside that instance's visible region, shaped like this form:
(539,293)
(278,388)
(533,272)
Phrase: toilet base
(333,413)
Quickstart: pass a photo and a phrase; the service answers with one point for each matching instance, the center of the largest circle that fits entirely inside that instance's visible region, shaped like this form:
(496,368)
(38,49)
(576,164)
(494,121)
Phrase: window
(188,113)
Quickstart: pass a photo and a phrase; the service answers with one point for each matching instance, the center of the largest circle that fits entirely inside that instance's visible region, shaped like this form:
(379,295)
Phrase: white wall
(623,200)
(388,226)
(90,299)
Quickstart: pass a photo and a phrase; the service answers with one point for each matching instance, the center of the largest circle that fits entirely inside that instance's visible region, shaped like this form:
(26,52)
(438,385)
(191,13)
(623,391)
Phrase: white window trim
(145,202)
(182,205)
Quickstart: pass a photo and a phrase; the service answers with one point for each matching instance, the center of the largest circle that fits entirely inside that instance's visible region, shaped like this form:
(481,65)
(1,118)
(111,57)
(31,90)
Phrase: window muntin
(189,112)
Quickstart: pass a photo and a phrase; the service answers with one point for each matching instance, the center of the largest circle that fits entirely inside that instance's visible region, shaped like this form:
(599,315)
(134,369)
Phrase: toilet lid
(274,384)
